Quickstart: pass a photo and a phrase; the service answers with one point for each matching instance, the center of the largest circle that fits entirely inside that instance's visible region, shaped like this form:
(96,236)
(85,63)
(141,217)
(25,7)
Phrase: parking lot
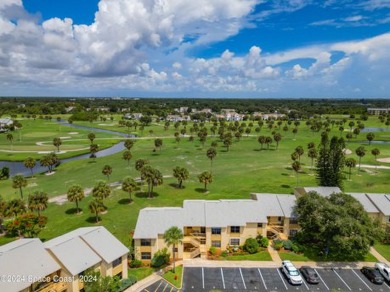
(273,279)
(160,286)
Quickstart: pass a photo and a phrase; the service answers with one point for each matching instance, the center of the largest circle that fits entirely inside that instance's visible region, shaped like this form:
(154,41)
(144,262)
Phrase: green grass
(237,173)
(259,256)
(383,249)
(140,273)
(307,256)
(170,276)
(292,256)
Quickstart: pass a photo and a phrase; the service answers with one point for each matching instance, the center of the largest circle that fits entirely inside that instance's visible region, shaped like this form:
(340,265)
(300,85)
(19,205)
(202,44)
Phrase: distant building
(378,111)
(5,123)
(130,116)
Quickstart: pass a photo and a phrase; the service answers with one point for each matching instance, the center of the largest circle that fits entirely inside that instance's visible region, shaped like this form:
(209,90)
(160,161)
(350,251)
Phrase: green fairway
(245,168)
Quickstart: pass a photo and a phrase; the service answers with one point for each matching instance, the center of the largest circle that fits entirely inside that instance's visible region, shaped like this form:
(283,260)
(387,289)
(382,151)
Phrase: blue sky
(181,48)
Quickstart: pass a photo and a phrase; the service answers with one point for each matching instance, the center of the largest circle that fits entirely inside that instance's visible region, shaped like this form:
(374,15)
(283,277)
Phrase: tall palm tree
(158,143)
(14,208)
(181,174)
(173,236)
(360,151)
(30,163)
(350,163)
(206,178)
(277,138)
(129,144)
(107,170)
(299,150)
(296,166)
(127,156)
(101,190)
(19,182)
(93,148)
(129,185)
(57,142)
(76,194)
(211,154)
(261,140)
(268,141)
(10,139)
(312,153)
(96,206)
(38,201)
(91,137)
(375,152)
(370,136)
(153,177)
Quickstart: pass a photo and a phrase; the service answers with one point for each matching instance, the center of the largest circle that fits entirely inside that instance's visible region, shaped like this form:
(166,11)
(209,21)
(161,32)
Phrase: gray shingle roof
(25,258)
(323,191)
(382,202)
(218,213)
(368,205)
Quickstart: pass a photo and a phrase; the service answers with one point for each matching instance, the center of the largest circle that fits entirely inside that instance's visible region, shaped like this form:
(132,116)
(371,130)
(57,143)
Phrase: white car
(384,270)
(292,273)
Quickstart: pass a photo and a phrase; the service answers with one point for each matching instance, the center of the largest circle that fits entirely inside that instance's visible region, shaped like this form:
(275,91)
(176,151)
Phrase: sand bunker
(385,160)
(347,151)
(73,133)
(65,137)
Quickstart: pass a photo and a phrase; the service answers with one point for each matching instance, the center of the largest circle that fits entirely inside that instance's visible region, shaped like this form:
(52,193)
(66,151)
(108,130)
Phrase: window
(234,241)
(259,225)
(279,219)
(215,230)
(216,243)
(116,262)
(234,229)
(146,242)
(146,255)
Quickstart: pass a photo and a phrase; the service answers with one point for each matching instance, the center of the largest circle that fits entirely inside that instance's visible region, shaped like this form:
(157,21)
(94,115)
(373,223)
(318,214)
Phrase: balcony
(52,287)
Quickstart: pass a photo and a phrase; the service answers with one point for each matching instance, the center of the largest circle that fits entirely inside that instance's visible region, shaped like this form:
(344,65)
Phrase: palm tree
(19,182)
(311,145)
(14,208)
(211,154)
(227,141)
(158,143)
(277,138)
(153,177)
(96,206)
(181,174)
(299,150)
(91,137)
(107,170)
(93,148)
(30,163)
(375,152)
(127,156)
(261,140)
(173,236)
(129,185)
(360,151)
(129,144)
(268,140)
(76,194)
(356,132)
(295,131)
(350,162)
(312,153)
(38,201)
(206,178)
(296,166)
(370,136)
(101,190)
(10,139)
(57,143)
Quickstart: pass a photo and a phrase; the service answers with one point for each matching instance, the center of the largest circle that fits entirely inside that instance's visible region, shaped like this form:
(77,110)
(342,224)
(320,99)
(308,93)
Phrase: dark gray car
(309,274)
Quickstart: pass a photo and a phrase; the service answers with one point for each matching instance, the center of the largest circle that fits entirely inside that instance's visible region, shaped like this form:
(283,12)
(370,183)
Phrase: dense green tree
(129,185)
(26,225)
(19,182)
(30,164)
(173,236)
(38,201)
(336,226)
(181,174)
(350,163)
(76,194)
(330,162)
(360,152)
(205,178)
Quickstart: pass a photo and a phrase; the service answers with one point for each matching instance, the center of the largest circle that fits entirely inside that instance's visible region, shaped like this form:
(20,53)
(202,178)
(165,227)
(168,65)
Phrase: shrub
(296,248)
(224,254)
(287,244)
(160,258)
(213,250)
(251,245)
(126,283)
(264,242)
(135,263)
(278,245)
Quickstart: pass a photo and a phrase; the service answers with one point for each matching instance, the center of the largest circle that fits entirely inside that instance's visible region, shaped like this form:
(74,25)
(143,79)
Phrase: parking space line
(342,279)
(307,287)
(261,276)
(281,278)
(361,279)
(165,287)
(321,279)
(223,279)
(242,277)
(202,277)
(158,286)
(386,284)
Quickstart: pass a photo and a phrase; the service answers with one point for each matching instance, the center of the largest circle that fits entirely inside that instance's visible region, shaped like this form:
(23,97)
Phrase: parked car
(309,274)
(384,270)
(373,275)
(292,273)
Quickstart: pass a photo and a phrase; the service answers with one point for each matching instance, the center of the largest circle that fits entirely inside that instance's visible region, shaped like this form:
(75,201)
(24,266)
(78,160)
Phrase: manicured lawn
(170,276)
(307,256)
(292,256)
(260,256)
(383,249)
(141,273)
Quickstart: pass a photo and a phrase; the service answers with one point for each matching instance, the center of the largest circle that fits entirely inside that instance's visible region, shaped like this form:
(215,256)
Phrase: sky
(202,48)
